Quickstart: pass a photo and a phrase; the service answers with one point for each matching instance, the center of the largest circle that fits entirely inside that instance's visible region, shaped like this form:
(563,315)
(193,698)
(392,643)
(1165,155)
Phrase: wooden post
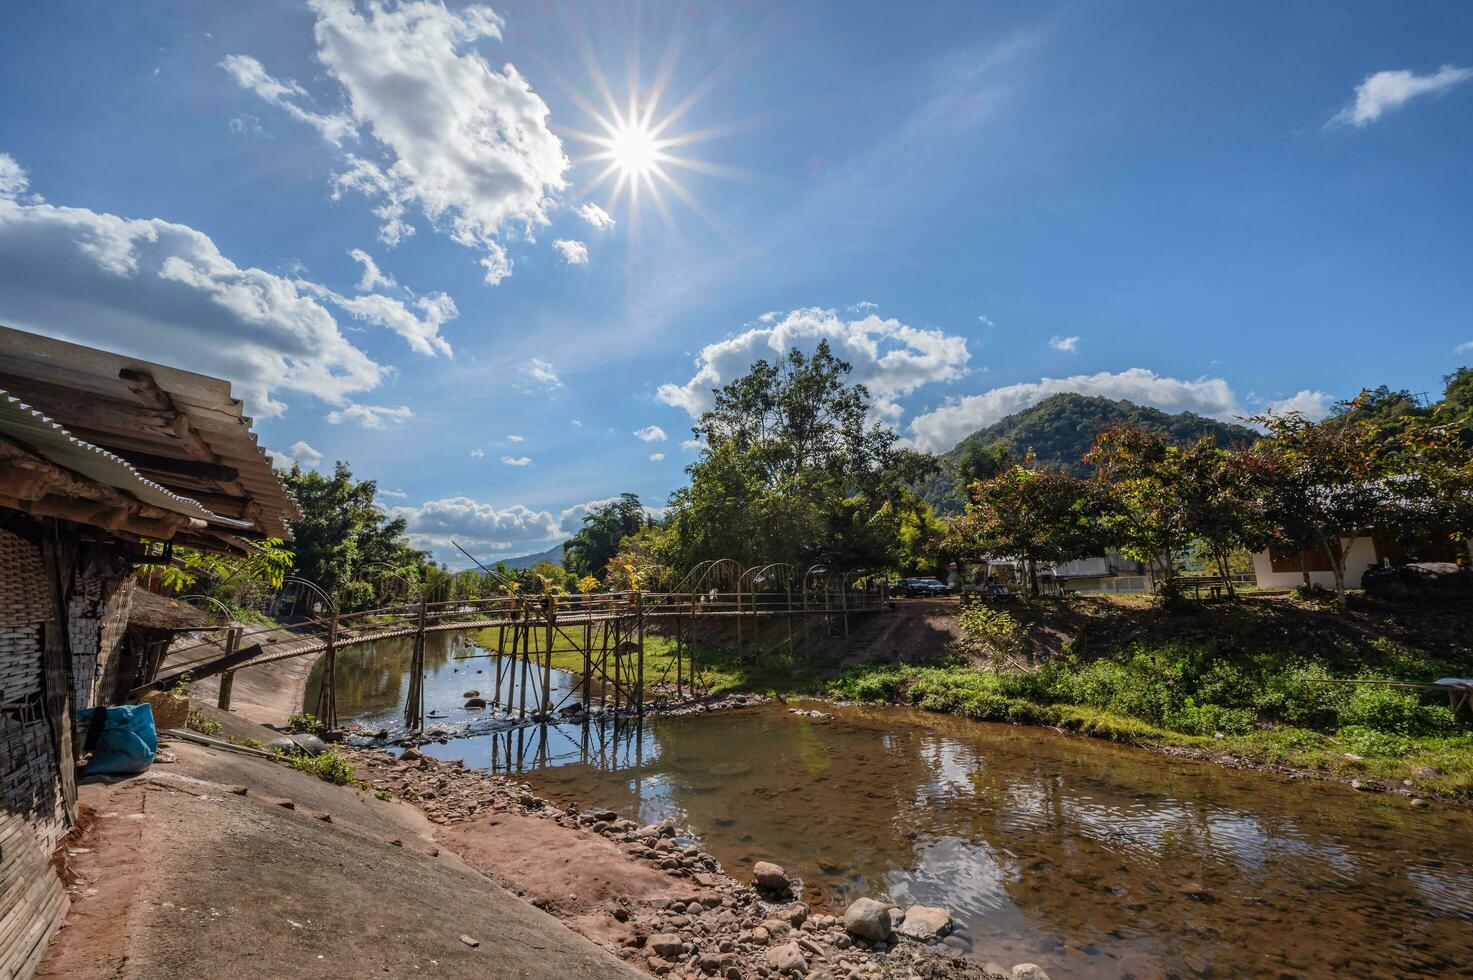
(227,679)
(587,659)
(526,630)
(639,639)
(414,708)
(547,666)
(329,714)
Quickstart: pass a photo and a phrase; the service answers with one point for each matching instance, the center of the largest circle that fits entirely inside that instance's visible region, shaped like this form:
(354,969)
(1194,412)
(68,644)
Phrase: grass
(1243,679)
(330,766)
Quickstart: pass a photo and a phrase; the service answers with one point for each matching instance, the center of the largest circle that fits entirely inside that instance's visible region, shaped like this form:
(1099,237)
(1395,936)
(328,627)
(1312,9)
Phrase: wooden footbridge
(606,630)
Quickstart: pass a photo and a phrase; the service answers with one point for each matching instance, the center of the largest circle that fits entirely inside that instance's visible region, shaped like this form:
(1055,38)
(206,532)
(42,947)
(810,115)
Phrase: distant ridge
(553,554)
(1059,430)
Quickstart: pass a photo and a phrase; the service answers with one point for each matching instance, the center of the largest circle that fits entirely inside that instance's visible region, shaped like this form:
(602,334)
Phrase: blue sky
(1219,208)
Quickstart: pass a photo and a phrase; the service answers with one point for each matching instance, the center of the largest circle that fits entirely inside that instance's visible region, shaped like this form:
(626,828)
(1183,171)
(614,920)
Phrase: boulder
(867,919)
(1029,971)
(666,945)
(308,743)
(475,703)
(1427,581)
(770,877)
(471,694)
(787,958)
(925,922)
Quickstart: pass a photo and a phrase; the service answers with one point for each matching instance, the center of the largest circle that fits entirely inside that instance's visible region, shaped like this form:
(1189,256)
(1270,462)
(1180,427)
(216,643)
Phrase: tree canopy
(794,469)
(588,552)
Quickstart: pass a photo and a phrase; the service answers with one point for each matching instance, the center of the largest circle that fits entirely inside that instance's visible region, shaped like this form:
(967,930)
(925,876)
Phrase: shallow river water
(1087,858)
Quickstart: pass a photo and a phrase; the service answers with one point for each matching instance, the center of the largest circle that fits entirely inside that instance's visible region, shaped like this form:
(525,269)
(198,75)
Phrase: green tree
(1325,484)
(1030,513)
(597,541)
(343,529)
(794,470)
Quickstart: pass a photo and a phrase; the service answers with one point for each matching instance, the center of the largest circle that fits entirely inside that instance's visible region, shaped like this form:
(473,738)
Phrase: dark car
(919,587)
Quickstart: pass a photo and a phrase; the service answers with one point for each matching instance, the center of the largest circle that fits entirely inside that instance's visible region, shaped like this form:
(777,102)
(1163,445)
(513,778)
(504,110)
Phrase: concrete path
(181,876)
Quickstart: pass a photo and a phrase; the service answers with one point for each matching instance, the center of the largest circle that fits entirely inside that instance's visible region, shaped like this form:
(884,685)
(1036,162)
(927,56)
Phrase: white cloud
(300,453)
(1313,405)
(577,423)
(656,457)
(478,454)
(155,289)
(245,124)
(371,416)
(1068,345)
(573,253)
(13,179)
(571,519)
(475,523)
(1385,91)
(372,277)
(939,430)
(696,444)
(286,95)
(864,306)
(1464,348)
(889,357)
(517,460)
(422,332)
(542,372)
(985,320)
(595,215)
(395,494)
(466,144)
(514,438)
(651,433)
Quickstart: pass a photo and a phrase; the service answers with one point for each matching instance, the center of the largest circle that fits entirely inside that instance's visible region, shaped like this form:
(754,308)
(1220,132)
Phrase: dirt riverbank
(648,894)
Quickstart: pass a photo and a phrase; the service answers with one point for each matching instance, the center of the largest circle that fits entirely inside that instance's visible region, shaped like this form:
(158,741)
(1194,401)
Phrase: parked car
(919,587)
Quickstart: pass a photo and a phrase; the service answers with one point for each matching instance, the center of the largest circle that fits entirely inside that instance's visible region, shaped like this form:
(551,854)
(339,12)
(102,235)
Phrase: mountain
(1060,430)
(553,554)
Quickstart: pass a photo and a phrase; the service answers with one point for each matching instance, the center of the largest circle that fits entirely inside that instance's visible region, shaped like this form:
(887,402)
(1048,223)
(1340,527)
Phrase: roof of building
(172,447)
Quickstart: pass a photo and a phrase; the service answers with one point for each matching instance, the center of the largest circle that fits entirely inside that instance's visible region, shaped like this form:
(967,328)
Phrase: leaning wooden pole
(526,630)
(587,660)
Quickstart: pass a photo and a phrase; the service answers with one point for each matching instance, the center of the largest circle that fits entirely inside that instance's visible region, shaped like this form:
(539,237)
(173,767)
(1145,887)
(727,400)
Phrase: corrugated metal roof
(49,439)
(179,431)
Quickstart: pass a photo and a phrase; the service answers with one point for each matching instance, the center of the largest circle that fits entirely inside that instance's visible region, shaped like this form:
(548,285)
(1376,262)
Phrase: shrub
(1209,719)
(203,725)
(1368,741)
(989,632)
(1395,710)
(305,722)
(330,766)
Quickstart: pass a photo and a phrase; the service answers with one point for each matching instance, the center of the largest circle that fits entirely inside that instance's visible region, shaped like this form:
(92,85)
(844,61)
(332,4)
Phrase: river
(1087,858)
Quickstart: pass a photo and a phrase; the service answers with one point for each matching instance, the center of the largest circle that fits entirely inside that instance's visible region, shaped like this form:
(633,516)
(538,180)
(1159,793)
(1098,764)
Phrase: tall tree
(1326,484)
(343,529)
(588,551)
(1031,513)
(794,470)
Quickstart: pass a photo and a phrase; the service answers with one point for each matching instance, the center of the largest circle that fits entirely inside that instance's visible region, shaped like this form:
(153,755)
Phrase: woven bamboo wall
(32,819)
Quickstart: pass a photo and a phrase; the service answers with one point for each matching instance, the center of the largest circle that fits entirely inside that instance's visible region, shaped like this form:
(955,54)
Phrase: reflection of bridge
(606,631)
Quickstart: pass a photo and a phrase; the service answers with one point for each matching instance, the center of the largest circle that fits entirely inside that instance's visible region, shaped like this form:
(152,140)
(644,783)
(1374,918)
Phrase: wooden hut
(100,456)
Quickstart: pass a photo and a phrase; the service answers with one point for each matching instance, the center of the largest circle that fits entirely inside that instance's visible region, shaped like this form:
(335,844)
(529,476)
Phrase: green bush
(1209,719)
(330,766)
(989,632)
(1394,710)
(203,725)
(305,722)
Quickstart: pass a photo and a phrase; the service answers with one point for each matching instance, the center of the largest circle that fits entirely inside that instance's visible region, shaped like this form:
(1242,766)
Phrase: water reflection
(1090,859)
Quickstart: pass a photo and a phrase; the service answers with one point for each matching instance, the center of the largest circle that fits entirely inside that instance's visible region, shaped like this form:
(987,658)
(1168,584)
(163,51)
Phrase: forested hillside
(1059,430)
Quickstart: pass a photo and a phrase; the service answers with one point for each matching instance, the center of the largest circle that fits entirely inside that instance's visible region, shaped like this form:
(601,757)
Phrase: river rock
(1029,971)
(475,702)
(867,919)
(471,694)
(771,877)
(667,945)
(787,958)
(925,922)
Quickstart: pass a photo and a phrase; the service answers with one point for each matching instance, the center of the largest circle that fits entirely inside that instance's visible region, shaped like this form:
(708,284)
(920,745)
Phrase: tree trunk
(1337,564)
(1032,577)
(1224,569)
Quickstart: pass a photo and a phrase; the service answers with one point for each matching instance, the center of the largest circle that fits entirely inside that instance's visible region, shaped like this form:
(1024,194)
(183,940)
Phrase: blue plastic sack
(128,741)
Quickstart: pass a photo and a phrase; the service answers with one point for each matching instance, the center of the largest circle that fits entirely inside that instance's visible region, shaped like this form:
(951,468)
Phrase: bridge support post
(547,663)
(227,679)
(414,706)
(639,640)
(327,697)
(587,663)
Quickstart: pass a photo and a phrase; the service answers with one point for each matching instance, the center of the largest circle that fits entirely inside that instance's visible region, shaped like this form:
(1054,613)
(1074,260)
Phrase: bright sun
(633,149)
